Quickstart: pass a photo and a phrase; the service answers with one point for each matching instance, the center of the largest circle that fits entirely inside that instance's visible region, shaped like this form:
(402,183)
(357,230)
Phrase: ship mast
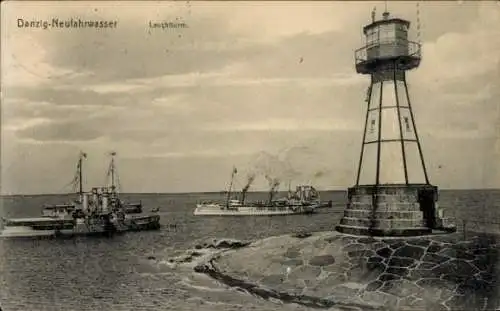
(111,172)
(82,156)
(289,189)
(230,186)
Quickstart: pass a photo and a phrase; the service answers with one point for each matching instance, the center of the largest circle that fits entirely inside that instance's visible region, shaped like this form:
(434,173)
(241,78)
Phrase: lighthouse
(392,195)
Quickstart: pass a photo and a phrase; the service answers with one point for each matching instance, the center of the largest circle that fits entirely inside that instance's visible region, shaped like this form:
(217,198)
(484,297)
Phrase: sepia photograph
(250,155)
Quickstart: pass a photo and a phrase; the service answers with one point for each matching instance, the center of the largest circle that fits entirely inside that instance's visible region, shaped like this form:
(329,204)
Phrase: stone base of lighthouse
(392,210)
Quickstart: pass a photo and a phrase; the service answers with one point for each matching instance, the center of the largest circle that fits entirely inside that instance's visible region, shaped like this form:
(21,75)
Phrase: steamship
(303,201)
(97,212)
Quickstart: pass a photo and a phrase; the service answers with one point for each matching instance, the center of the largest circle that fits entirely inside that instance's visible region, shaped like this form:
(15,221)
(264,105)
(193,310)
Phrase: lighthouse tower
(392,195)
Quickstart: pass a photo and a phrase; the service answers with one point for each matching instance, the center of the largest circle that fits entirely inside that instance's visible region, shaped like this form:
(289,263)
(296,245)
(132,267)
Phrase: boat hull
(251,211)
(142,222)
(81,228)
(77,230)
(133,208)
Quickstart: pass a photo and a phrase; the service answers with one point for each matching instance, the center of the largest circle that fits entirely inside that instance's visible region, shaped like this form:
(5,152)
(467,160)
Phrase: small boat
(97,212)
(328,204)
(304,201)
(133,208)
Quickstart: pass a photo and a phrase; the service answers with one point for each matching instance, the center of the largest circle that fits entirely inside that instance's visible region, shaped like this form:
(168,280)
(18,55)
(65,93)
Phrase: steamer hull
(251,211)
(53,227)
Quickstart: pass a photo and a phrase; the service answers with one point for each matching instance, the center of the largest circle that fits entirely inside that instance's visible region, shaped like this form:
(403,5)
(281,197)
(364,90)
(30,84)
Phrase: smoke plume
(250,179)
(296,165)
(273,185)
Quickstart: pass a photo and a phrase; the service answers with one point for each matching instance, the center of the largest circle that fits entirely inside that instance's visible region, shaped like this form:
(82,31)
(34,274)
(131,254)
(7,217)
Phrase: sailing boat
(297,203)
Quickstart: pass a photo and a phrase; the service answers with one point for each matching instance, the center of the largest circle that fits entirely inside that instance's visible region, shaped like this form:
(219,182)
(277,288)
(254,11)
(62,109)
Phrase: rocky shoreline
(329,270)
(255,289)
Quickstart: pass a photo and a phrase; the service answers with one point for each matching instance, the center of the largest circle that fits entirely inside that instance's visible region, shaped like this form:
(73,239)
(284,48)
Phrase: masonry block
(391,210)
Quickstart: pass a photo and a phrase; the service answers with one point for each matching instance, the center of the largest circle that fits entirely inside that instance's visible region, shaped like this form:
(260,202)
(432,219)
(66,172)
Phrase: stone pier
(336,272)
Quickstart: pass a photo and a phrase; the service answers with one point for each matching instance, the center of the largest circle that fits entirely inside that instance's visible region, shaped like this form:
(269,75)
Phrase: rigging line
(108,173)
(117,181)
(108,180)
(118,187)
(72,183)
(75,179)
(418,23)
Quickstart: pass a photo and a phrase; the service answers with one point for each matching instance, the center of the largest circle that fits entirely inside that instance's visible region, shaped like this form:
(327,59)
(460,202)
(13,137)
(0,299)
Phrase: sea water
(122,272)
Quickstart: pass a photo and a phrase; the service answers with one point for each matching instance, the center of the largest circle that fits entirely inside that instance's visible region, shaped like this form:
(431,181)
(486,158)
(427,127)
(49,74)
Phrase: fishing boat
(97,212)
(303,201)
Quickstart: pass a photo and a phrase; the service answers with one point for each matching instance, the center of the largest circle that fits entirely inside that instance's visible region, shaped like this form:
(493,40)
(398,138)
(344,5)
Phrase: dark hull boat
(133,208)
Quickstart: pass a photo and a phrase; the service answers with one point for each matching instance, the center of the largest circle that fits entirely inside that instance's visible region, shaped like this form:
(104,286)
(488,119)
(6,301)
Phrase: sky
(267,87)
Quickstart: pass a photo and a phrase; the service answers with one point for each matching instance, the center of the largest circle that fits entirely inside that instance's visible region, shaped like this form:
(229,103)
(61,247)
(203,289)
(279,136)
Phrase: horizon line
(221,191)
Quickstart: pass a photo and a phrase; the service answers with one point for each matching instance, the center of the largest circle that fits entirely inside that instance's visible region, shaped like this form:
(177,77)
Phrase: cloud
(237,82)
(108,57)
(63,97)
(234,74)
(284,124)
(60,131)
(161,112)
(23,68)
(19,124)
(465,55)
